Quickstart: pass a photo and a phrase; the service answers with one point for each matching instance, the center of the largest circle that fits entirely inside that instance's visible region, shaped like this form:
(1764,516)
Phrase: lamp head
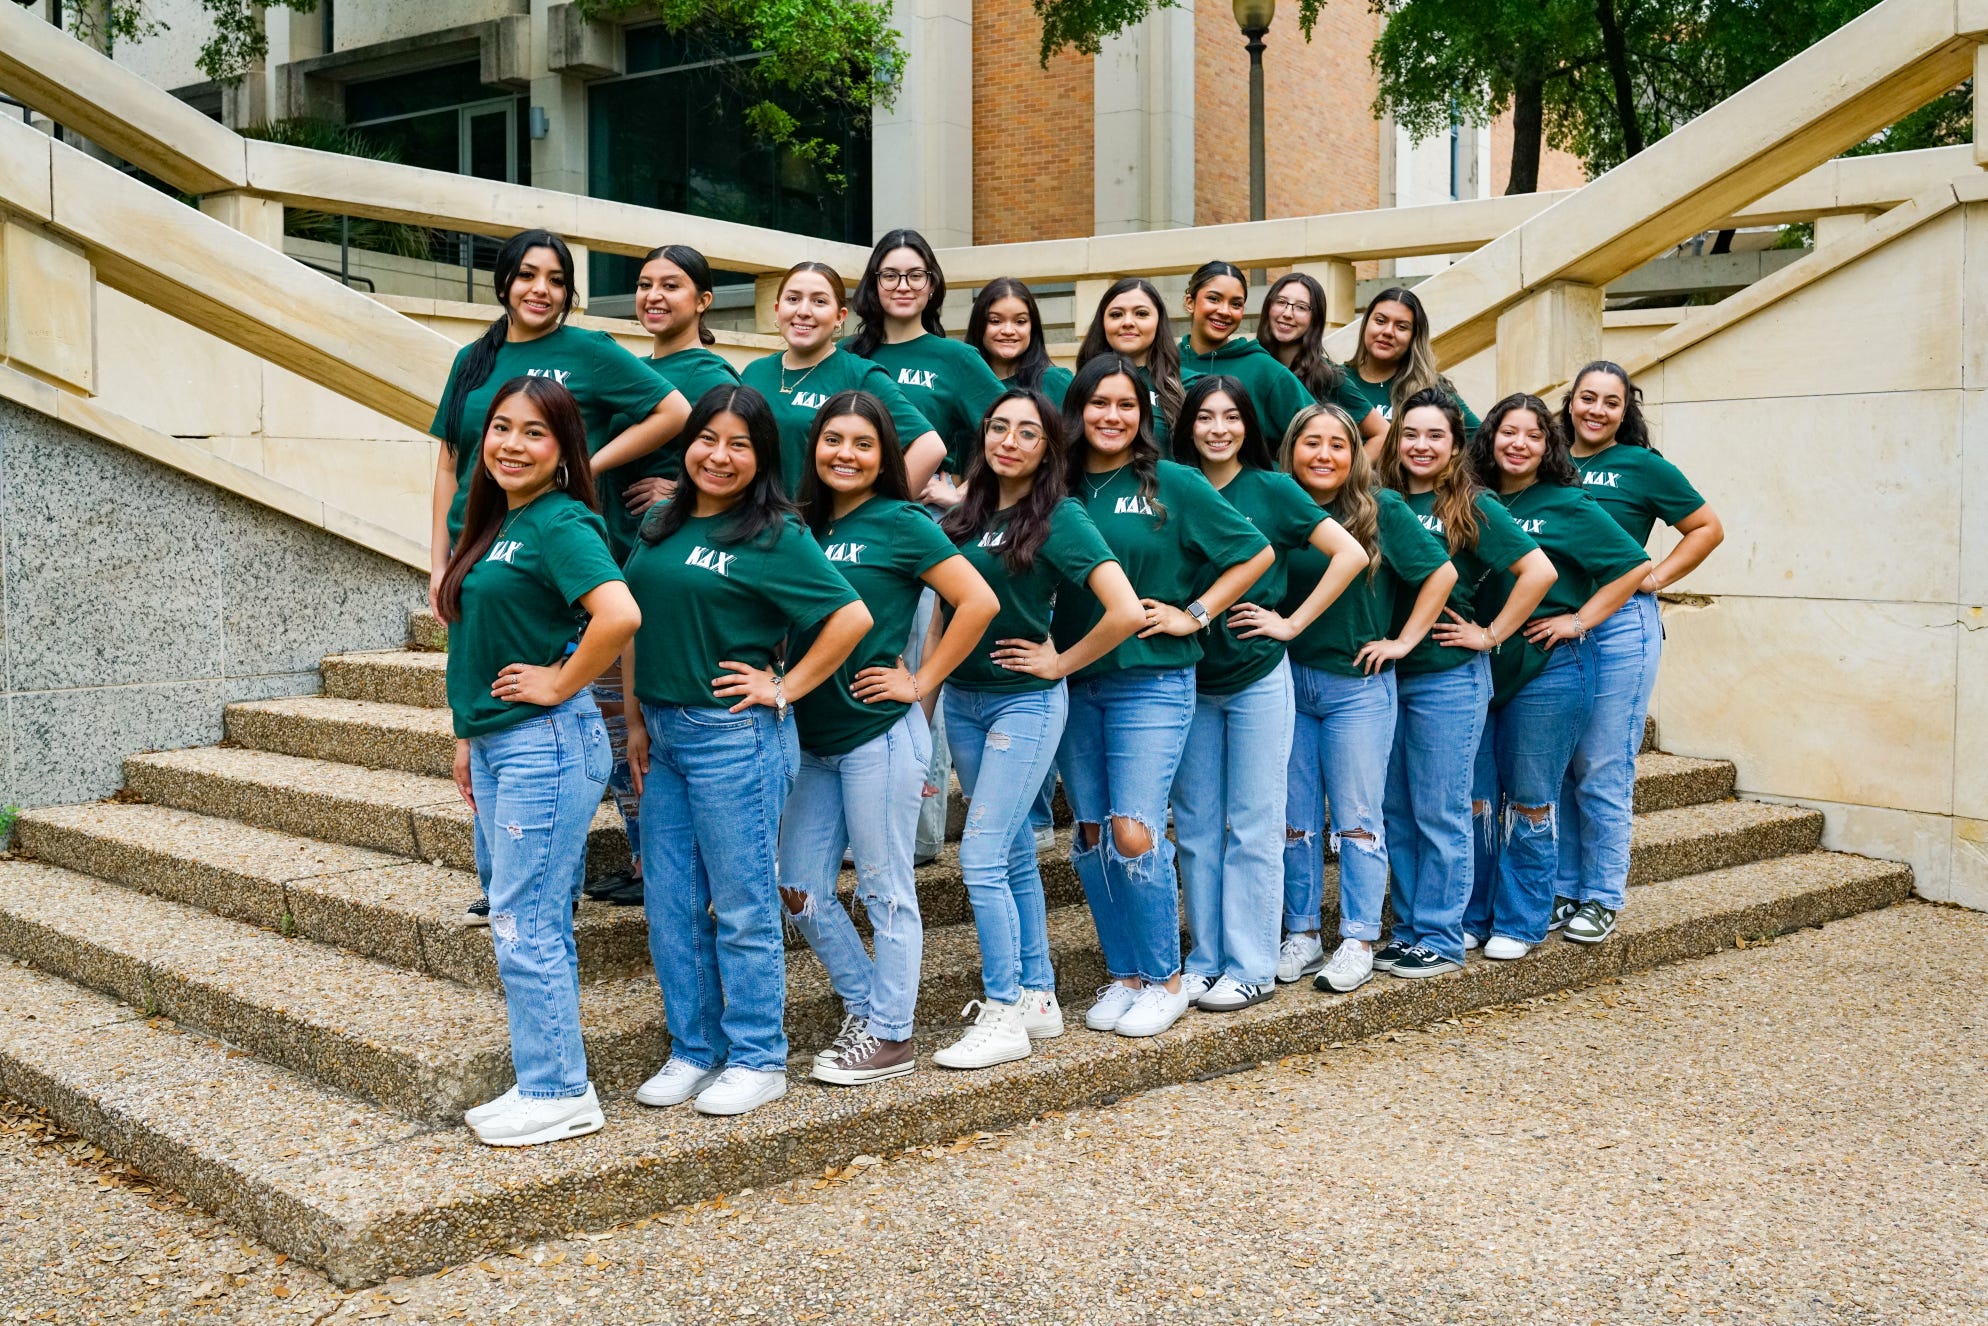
(1254,15)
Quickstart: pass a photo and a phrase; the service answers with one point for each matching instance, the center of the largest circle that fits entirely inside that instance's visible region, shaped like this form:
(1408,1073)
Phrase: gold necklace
(786,390)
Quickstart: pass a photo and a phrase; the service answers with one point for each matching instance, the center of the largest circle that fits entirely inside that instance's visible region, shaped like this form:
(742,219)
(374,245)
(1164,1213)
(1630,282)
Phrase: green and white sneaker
(1563,912)
(1590,924)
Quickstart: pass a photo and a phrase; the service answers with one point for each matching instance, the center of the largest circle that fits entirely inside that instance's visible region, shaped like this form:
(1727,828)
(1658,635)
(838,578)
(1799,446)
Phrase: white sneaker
(1113,1001)
(1503,948)
(1300,956)
(852,1027)
(1229,995)
(738,1090)
(526,1122)
(1194,985)
(1042,1016)
(1045,838)
(997,1036)
(676,1082)
(490,1108)
(1471,942)
(1352,966)
(1154,1010)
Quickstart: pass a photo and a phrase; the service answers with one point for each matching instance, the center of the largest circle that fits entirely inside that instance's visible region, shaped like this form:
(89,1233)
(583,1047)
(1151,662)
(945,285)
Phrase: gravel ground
(1796,1132)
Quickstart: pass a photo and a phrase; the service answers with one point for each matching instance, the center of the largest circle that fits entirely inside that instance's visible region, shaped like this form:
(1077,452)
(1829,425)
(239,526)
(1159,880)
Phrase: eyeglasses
(1290,306)
(915,279)
(1028,434)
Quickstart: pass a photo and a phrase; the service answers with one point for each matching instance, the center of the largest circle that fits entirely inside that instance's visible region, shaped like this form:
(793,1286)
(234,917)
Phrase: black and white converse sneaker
(1418,962)
(1389,953)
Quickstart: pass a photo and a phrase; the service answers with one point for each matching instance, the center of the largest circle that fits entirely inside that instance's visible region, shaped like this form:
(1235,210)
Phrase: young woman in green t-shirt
(729,574)
(1602,416)
(1132,321)
(1006,327)
(865,741)
(1443,686)
(531,754)
(1229,793)
(1393,359)
(1007,704)
(1291,326)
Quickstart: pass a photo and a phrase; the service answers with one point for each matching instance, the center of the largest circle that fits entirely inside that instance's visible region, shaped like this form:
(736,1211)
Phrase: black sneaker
(1590,924)
(1390,953)
(478,913)
(620,889)
(1563,912)
(1418,962)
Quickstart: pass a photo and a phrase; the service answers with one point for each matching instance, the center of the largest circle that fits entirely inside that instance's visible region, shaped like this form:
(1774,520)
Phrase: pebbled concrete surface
(1797,1132)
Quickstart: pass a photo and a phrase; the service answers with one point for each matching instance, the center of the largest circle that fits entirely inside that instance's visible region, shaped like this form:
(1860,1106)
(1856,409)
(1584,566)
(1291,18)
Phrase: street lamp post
(1253,17)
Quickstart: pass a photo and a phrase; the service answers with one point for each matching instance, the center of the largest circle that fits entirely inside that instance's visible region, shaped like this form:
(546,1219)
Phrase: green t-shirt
(946,381)
(1638,487)
(520,604)
(1285,515)
(1378,396)
(1587,548)
(605,379)
(797,394)
(881,548)
(1274,390)
(1500,542)
(1055,384)
(694,371)
(1409,555)
(706,599)
(1072,551)
(1165,556)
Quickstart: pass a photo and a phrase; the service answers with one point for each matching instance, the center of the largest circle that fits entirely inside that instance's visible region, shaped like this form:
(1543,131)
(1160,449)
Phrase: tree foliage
(237,44)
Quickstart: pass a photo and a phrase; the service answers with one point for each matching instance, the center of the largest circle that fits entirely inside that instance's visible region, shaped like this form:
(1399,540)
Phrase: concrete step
(413,738)
(426,631)
(391,676)
(358,1191)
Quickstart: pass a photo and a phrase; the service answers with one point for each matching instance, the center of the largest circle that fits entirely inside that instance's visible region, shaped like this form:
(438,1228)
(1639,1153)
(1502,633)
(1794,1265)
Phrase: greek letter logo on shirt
(1601,478)
(1131,506)
(810,400)
(1433,523)
(558,375)
(846,552)
(917,377)
(711,560)
(502,551)
(994,538)
(1532,526)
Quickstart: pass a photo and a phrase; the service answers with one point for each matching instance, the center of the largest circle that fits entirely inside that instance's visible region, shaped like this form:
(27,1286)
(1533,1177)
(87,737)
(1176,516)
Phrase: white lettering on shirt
(846,552)
(1601,478)
(810,400)
(711,560)
(917,377)
(1532,526)
(1432,522)
(558,375)
(502,551)
(994,538)
(1131,506)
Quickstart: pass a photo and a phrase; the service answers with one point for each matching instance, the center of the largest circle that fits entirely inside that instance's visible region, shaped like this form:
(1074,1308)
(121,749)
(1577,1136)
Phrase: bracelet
(1492,636)
(917,695)
(1579,625)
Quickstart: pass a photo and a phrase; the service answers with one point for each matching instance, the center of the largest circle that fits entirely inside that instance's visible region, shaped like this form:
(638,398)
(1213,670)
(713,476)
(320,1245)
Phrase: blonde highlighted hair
(1354,506)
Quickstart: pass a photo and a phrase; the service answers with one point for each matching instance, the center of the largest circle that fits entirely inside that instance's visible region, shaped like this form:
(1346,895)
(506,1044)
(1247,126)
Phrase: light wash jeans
(1228,820)
(866,800)
(1438,725)
(1003,743)
(1598,798)
(710,823)
(1042,815)
(537,786)
(1521,761)
(1118,756)
(933,810)
(618,782)
(1339,753)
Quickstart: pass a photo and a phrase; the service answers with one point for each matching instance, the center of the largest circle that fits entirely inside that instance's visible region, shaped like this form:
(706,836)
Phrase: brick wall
(1032,139)
(1557,170)
(1323,145)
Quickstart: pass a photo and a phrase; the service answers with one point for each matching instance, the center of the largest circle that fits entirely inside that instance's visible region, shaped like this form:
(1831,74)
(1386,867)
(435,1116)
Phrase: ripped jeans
(1521,761)
(866,800)
(1339,753)
(537,786)
(1118,756)
(1002,744)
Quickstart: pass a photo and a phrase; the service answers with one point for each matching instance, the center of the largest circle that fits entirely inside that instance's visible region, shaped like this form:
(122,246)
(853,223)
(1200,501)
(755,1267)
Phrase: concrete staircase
(248,975)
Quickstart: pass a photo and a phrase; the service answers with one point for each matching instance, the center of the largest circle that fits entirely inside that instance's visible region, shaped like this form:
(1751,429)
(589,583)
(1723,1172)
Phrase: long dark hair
(484,508)
(1555,466)
(1145,451)
(980,497)
(817,498)
(1634,431)
(1255,451)
(1162,361)
(1207,272)
(482,357)
(764,508)
(1309,362)
(1417,371)
(692,264)
(869,305)
(1035,359)
(1455,488)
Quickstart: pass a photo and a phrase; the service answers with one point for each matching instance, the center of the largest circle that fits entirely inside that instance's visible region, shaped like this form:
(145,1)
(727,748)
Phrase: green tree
(237,44)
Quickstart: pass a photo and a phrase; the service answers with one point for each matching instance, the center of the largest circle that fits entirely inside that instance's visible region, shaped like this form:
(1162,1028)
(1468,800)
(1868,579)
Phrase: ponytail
(481,361)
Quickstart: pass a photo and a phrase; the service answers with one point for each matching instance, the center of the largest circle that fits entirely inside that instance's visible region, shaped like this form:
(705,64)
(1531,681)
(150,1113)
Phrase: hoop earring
(561,477)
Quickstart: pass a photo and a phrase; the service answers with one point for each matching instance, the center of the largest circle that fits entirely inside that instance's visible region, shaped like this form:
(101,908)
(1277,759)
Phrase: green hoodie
(1273,389)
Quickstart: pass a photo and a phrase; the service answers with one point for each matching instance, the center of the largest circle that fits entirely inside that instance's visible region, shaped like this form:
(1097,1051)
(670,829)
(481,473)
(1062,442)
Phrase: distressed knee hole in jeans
(1538,819)
(800,902)
(1088,838)
(516,830)
(1360,838)
(504,927)
(882,910)
(1487,824)
(997,741)
(1131,837)
(1293,837)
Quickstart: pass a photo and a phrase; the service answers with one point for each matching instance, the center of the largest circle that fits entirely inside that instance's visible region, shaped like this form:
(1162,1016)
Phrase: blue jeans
(867,800)
(1118,756)
(618,783)
(1437,728)
(710,824)
(537,786)
(933,810)
(1339,753)
(1228,819)
(1598,799)
(1521,761)
(1042,815)
(1003,744)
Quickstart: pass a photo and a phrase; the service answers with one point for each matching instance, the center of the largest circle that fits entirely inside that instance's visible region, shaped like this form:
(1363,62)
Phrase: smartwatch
(1199,614)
